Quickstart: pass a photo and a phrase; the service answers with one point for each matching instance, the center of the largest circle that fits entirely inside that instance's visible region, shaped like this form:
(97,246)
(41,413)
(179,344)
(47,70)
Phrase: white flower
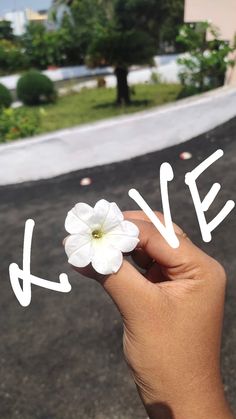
(182,32)
(206,53)
(98,236)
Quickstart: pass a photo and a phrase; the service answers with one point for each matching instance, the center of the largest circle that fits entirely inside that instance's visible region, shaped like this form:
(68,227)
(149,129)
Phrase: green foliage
(207,60)
(77,26)
(157,18)
(156,78)
(6,30)
(57,47)
(40,46)
(121,33)
(85,30)
(119,48)
(70,44)
(170,20)
(34,88)
(12,57)
(124,36)
(18,123)
(137,14)
(5,97)
(160,19)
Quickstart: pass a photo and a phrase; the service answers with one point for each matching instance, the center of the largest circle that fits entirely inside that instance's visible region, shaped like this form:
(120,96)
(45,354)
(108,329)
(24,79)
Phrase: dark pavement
(61,358)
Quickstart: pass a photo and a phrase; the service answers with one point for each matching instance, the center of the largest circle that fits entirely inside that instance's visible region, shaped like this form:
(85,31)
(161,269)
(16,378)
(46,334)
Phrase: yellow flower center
(97,234)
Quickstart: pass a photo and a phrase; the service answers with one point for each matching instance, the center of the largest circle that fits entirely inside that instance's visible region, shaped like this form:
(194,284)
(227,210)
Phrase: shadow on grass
(188,91)
(113,105)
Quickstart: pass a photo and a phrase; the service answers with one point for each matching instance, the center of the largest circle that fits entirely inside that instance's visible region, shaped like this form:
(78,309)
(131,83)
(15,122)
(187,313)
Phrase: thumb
(127,287)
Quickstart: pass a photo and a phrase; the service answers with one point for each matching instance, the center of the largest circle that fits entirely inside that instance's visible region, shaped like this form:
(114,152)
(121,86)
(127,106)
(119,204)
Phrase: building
(37,17)
(220,13)
(20,18)
(18,21)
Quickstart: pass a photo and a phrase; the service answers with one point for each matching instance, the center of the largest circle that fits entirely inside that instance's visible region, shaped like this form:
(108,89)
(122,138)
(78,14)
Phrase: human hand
(172,324)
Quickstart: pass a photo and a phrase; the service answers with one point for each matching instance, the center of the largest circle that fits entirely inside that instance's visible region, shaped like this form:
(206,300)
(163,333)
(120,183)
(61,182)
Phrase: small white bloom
(206,53)
(98,236)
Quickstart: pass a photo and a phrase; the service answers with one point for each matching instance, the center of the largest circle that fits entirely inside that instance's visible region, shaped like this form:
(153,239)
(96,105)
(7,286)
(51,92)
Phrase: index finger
(184,259)
(140,215)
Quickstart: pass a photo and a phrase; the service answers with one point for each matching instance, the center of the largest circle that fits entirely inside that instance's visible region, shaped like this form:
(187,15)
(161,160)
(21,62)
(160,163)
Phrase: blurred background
(94,96)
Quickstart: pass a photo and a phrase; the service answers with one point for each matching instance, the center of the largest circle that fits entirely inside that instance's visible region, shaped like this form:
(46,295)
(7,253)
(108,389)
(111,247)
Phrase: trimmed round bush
(34,88)
(5,97)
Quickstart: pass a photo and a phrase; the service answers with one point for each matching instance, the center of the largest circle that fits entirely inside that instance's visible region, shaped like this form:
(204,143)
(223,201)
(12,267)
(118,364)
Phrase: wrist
(206,402)
(162,410)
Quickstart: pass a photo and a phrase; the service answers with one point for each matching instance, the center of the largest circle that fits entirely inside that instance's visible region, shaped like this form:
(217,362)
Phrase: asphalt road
(61,358)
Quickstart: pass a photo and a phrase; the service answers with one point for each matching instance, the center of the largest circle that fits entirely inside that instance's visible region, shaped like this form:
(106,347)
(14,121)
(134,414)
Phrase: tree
(172,16)
(121,49)
(35,46)
(68,43)
(119,33)
(6,31)
(42,47)
(122,33)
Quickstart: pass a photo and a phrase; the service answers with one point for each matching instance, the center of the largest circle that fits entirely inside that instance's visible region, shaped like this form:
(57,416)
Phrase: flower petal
(79,250)
(113,219)
(123,237)
(123,243)
(77,220)
(101,210)
(84,212)
(126,228)
(129,228)
(75,242)
(106,260)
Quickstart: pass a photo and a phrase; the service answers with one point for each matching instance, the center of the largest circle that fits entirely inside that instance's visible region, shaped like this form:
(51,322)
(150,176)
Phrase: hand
(172,318)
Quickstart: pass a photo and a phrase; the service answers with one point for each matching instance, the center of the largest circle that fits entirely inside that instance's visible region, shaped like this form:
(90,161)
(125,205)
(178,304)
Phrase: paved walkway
(115,139)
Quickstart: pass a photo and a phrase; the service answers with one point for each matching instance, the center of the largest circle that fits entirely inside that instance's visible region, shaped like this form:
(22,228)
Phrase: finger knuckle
(218,272)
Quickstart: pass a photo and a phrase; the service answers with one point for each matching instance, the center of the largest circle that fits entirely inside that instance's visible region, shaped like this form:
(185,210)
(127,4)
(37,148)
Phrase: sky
(9,5)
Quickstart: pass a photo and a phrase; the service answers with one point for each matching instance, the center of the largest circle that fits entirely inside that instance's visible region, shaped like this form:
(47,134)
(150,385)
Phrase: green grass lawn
(94,104)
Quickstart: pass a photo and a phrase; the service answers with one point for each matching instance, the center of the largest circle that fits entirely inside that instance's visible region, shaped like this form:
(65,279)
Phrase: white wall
(221,13)
(18,21)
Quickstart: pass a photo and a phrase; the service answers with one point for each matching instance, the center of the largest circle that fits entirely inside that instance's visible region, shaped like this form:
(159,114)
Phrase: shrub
(12,57)
(17,123)
(34,88)
(5,97)
(205,65)
(156,78)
